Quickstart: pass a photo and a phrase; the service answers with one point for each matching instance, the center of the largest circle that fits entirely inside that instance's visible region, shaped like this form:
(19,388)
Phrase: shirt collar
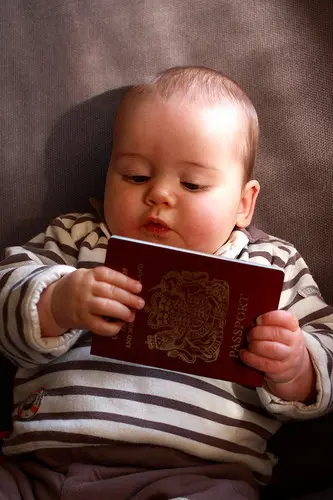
(237,241)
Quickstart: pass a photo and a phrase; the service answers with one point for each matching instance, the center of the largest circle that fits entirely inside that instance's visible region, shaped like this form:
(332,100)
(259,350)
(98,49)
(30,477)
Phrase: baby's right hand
(86,298)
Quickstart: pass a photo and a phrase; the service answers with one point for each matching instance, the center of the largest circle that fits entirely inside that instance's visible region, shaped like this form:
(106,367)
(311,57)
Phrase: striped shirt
(65,397)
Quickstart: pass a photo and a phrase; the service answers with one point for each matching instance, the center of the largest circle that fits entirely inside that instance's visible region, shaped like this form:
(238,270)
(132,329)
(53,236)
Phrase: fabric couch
(65,64)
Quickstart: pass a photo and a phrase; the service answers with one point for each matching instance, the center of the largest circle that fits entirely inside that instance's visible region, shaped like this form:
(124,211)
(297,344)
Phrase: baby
(180,174)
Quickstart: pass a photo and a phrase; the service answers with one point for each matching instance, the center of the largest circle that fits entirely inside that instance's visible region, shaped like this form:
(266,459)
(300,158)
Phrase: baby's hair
(200,85)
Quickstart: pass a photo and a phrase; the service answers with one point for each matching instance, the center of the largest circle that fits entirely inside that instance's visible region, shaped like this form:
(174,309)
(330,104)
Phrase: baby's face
(176,175)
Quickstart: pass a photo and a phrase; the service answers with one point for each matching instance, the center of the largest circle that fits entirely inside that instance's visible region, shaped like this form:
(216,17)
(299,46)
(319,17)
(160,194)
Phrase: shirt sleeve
(302,297)
(24,273)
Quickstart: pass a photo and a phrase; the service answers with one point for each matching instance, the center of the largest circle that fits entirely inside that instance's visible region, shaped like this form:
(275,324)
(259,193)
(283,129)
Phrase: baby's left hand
(277,348)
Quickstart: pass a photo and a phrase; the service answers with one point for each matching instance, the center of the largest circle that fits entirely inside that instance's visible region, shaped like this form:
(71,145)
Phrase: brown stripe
(326,333)
(58,223)
(4,315)
(294,258)
(261,253)
(255,234)
(62,437)
(25,283)
(50,254)
(163,402)
(327,352)
(15,259)
(83,439)
(272,259)
(282,247)
(79,242)
(150,424)
(84,340)
(19,354)
(35,244)
(5,277)
(88,264)
(86,218)
(329,364)
(143,371)
(243,253)
(329,368)
(320,313)
(324,328)
(285,245)
(98,234)
(66,249)
(287,285)
(68,217)
(86,244)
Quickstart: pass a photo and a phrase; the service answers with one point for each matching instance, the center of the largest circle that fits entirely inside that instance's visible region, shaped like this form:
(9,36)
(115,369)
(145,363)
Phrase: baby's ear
(247,203)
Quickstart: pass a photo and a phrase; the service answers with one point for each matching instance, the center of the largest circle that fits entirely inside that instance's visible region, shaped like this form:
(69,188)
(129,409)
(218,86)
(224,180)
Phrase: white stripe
(175,391)
(133,434)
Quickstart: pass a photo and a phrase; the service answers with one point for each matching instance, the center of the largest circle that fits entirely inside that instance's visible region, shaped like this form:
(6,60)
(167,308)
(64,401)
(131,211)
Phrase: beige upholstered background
(61,59)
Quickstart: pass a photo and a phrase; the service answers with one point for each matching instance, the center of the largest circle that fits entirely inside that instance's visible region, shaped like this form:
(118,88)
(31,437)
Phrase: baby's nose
(161,193)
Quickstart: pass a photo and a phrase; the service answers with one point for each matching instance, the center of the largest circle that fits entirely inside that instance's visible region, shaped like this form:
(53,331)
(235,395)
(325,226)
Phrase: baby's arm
(30,273)
(277,348)
(86,299)
(24,275)
(296,360)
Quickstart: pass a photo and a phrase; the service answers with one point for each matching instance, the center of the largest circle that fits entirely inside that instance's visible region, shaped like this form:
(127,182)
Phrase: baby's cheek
(118,211)
(206,218)
(202,227)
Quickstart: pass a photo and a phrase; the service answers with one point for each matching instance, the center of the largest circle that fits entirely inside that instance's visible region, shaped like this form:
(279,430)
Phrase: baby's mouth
(154,225)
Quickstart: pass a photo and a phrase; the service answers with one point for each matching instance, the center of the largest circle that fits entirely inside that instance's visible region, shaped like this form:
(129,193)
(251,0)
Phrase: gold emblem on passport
(189,311)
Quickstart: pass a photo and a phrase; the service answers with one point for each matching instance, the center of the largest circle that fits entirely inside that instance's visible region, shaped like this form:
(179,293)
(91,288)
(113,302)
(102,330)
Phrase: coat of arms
(189,311)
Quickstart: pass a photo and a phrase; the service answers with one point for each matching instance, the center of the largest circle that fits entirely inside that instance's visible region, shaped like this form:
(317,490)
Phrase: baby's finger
(260,363)
(111,308)
(105,328)
(271,333)
(284,319)
(271,350)
(105,290)
(116,278)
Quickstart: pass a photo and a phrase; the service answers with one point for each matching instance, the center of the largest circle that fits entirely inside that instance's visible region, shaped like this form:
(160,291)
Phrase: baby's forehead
(186,104)
(224,122)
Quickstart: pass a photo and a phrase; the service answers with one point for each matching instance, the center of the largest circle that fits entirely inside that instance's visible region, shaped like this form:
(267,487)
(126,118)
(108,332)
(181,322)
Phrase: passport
(198,310)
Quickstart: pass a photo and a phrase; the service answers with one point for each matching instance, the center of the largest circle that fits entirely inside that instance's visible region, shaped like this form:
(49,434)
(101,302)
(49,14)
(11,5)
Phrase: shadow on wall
(76,158)
(77,154)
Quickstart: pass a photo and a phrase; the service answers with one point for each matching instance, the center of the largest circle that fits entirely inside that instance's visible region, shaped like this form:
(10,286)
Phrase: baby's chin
(174,243)
(172,240)
(160,240)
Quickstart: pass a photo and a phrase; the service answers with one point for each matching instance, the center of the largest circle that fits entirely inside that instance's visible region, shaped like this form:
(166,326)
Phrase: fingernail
(259,320)
(141,302)
(132,317)
(138,286)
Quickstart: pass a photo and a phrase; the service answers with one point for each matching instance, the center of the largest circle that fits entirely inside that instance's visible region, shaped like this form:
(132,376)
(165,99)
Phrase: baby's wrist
(48,324)
(302,388)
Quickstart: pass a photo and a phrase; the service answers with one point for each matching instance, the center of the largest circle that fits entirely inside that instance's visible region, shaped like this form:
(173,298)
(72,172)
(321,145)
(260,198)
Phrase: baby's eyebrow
(121,154)
(200,165)
(131,155)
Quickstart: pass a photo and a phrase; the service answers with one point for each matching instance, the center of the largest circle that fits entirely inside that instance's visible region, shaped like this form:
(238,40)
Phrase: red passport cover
(198,310)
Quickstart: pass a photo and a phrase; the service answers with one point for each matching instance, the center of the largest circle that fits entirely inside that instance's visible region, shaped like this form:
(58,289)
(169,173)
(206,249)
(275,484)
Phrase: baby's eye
(192,187)
(136,179)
